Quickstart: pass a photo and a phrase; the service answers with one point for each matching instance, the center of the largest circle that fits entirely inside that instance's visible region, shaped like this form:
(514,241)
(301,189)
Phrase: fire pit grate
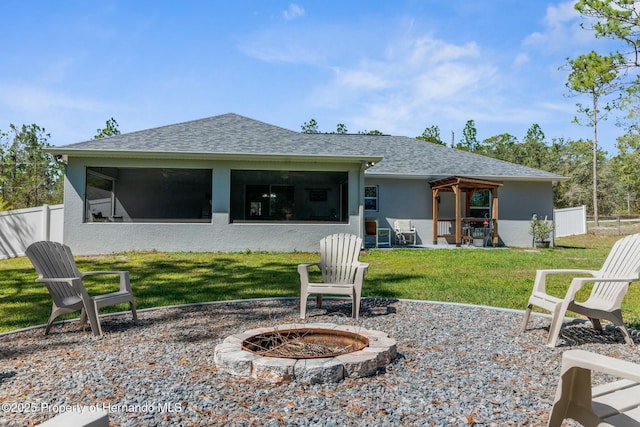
(316,353)
(305,343)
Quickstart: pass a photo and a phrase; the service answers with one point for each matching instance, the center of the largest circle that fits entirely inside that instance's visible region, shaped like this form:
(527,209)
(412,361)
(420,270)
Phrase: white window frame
(376,198)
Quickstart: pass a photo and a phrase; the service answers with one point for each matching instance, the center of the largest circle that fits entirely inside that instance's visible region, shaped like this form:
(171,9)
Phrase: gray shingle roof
(232,134)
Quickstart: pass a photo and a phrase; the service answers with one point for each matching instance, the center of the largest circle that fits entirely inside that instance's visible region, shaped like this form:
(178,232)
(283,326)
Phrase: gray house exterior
(230,183)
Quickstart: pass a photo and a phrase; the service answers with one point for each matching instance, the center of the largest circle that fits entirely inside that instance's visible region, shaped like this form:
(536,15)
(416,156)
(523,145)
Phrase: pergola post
(456,191)
(436,208)
(494,216)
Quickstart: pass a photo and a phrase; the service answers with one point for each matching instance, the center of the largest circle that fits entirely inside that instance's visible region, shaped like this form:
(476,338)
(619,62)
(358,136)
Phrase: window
(148,195)
(99,196)
(370,197)
(480,204)
(289,196)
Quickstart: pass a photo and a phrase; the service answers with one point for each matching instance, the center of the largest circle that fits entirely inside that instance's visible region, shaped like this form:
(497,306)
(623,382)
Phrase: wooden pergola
(468,186)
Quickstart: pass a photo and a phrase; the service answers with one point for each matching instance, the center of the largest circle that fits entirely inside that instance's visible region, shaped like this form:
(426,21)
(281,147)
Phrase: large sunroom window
(147,195)
(258,195)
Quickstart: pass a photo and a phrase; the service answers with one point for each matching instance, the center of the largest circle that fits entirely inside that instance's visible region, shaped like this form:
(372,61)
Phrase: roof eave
(372,174)
(181,155)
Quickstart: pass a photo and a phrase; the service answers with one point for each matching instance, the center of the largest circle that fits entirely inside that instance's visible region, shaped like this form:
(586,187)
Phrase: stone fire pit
(240,354)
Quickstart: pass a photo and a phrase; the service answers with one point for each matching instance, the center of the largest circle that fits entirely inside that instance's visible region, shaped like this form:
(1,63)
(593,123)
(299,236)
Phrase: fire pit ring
(373,350)
(305,343)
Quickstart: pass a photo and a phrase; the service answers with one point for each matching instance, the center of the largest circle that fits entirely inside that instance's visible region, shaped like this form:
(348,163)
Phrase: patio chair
(405,232)
(57,269)
(342,273)
(610,284)
(615,403)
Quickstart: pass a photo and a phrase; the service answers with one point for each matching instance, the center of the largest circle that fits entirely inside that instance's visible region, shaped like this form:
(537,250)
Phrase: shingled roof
(235,136)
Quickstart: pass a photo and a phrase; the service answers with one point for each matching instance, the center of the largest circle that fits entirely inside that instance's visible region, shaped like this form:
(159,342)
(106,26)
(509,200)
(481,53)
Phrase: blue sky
(395,66)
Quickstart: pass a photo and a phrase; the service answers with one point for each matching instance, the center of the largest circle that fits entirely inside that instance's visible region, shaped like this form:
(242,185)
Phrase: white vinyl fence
(570,221)
(21,227)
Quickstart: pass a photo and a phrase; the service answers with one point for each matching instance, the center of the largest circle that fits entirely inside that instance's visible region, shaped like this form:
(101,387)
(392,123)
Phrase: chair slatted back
(622,261)
(403,225)
(339,257)
(54,260)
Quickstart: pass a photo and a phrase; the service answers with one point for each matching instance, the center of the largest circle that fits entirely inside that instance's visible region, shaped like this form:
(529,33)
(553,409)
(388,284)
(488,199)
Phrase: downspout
(363,167)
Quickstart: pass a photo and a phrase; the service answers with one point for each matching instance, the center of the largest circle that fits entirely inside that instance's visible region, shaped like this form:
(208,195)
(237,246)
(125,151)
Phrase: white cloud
(521,59)
(359,79)
(413,83)
(562,13)
(34,99)
(68,118)
(411,74)
(279,48)
(294,11)
(561,29)
(428,50)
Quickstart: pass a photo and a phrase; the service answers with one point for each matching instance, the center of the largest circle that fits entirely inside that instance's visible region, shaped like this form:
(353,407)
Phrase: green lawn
(495,277)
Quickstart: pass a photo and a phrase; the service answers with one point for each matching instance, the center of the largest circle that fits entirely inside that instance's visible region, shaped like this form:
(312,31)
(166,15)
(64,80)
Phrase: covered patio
(463,226)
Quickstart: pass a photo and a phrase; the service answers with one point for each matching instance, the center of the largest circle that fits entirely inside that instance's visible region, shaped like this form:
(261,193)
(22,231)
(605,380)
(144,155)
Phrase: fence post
(46,222)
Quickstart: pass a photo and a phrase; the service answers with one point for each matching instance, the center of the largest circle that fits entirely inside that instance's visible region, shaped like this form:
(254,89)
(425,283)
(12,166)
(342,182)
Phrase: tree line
(619,186)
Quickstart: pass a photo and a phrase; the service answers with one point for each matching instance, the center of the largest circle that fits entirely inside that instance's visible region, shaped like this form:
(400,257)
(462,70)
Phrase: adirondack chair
(57,269)
(610,284)
(405,232)
(611,404)
(342,273)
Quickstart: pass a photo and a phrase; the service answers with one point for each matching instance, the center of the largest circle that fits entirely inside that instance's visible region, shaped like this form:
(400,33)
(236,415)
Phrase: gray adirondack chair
(610,285)
(342,273)
(57,269)
(615,403)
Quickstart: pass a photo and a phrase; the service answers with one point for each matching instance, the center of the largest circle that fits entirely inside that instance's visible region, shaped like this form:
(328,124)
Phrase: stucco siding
(403,199)
(518,202)
(411,199)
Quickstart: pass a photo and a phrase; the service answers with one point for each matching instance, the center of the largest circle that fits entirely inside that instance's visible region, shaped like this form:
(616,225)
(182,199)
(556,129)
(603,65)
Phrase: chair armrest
(568,271)
(303,271)
(541,277)
(306,266)
(600,363)
(362,269)
(125,284)
(93,273)
(579,282)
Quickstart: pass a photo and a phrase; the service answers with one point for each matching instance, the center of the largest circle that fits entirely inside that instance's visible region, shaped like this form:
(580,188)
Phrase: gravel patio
(457,365)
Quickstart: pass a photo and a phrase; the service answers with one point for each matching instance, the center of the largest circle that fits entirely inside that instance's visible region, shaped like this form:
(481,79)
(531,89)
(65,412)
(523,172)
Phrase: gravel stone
(456,365)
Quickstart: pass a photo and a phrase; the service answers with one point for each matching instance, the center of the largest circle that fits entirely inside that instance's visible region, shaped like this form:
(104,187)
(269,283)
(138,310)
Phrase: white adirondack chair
(405,232)
(57,269)
(342,273)
(610,284)
(611,404)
